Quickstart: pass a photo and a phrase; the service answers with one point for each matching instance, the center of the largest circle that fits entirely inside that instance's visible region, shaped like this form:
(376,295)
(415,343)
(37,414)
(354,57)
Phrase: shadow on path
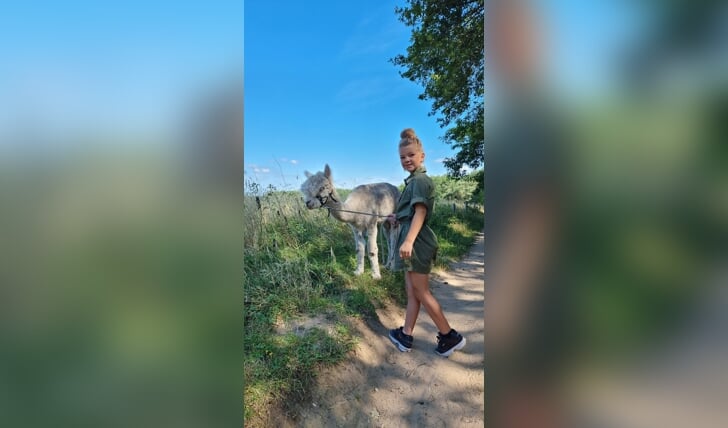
(378,386)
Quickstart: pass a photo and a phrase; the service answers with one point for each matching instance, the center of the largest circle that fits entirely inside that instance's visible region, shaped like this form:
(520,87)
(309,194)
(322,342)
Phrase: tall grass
(299,263)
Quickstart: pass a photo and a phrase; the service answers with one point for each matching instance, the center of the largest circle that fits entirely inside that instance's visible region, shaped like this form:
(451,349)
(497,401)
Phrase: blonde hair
(408,137)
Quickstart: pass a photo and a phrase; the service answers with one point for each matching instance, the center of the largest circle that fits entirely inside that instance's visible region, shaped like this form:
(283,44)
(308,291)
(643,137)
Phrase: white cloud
(440,160)
(258,169)
(293,161)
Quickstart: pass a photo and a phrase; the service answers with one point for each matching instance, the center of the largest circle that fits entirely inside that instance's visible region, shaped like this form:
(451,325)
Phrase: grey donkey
(364,209)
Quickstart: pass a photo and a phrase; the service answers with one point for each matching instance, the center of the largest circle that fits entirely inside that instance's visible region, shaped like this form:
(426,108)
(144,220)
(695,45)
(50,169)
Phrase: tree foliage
(446,57)
(467,188)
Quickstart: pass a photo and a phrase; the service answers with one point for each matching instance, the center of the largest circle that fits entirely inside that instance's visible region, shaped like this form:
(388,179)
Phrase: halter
(324,199)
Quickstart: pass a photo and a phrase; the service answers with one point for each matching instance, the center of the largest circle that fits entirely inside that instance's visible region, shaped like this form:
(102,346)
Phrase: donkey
(364,209)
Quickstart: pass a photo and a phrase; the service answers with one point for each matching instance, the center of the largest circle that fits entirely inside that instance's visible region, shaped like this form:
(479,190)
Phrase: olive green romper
(419,188)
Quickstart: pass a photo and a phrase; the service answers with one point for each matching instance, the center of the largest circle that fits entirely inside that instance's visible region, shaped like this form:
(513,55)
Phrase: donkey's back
(379,199)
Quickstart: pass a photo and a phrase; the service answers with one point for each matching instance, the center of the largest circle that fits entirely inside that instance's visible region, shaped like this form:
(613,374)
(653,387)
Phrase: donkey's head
(318,189)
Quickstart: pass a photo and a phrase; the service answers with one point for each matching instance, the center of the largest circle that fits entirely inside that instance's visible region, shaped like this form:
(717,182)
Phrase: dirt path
(382,387)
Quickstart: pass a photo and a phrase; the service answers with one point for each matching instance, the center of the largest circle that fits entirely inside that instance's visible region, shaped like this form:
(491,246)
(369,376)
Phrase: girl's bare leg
(413,306)
(420,284)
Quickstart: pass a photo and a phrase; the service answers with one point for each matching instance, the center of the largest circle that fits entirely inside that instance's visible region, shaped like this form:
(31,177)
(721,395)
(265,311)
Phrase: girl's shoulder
(422,183)
(423,178)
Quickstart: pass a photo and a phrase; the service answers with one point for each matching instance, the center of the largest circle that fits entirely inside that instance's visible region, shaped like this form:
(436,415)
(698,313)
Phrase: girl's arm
(405,251)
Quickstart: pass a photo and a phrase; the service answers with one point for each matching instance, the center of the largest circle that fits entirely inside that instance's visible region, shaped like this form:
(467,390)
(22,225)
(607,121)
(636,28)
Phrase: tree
(446,57)
(467,188)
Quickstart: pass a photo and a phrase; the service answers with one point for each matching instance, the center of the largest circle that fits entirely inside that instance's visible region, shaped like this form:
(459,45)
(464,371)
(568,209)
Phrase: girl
(418,249)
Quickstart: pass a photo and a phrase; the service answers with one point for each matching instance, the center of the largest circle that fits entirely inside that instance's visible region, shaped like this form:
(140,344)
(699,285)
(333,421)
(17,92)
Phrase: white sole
(399,346)
(457,347)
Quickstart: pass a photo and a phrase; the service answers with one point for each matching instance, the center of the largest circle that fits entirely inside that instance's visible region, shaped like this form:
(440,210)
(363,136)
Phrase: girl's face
(411,157)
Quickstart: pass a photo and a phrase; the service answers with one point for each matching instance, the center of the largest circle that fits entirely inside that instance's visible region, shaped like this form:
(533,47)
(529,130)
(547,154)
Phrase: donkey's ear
(308,174)
(327,171)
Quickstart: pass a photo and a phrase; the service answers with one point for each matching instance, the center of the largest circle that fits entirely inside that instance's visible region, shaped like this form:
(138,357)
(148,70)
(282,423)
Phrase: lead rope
(354,212)
(389,236)
(324,199)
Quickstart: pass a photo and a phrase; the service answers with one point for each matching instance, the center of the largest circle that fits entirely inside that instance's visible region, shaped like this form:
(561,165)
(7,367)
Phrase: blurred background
(120,196)
(606,213)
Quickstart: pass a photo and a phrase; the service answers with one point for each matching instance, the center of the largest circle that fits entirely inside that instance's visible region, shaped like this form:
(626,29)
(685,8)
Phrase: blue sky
(115,66)
(319,87)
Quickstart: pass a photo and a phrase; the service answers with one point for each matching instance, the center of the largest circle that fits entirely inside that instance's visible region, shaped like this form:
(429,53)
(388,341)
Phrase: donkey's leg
(374,251)
(383,234)
(391,238)
(360,250)
(390,235)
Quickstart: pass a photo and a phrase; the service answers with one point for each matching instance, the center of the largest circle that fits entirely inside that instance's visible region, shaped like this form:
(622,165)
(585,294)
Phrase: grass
(298,264)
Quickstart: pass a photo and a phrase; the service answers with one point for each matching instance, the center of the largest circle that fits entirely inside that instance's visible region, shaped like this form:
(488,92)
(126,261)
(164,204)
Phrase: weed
(299,263)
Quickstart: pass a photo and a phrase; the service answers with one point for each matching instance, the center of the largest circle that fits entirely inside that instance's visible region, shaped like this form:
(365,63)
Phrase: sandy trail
(378,386)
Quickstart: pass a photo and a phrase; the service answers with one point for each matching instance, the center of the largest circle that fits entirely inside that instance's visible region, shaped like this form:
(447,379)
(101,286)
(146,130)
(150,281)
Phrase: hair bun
(408,133)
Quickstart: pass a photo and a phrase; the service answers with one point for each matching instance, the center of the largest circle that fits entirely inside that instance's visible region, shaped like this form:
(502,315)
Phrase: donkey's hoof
(358,272)
(377,275)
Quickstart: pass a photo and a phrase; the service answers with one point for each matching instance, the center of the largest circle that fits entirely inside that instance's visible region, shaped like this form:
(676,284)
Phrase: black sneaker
(449,343)
(403,341)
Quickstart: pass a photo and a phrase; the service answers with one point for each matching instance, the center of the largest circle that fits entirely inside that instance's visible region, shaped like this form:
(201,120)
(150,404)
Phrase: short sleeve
(422,191)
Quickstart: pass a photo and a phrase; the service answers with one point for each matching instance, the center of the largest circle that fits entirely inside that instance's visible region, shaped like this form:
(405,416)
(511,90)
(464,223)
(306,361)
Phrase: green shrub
(299,263)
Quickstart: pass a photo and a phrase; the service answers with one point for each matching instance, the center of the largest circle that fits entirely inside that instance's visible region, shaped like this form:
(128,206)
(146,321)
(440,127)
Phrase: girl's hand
(405,251)
(392,219)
